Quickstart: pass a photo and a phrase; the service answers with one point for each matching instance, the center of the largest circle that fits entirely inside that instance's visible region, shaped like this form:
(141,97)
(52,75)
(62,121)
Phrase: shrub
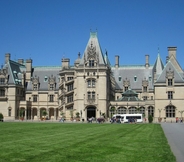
(1,116)
(150,118)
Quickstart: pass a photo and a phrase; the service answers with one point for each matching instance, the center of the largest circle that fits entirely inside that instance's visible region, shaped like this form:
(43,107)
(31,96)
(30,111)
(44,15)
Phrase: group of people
(179,120)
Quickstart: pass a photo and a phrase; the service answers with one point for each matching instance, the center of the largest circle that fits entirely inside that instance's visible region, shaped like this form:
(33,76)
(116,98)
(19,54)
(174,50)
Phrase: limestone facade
(92,87)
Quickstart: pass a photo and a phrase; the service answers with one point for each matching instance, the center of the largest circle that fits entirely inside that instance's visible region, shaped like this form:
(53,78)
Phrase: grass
(65,142)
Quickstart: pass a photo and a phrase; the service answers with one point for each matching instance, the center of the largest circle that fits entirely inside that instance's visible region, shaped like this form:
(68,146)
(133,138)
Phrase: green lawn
(65,142)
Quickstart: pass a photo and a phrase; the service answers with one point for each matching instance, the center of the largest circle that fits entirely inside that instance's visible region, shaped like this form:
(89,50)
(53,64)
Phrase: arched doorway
(91,112)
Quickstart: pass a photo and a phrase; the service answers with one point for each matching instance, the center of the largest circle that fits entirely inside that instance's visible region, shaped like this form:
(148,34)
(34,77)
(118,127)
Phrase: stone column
(38,113)
(25,117)
(31,113)
(48,110)
(54,113)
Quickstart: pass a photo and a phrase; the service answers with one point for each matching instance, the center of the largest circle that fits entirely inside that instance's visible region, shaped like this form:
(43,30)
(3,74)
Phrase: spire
(93,51)
(158,66)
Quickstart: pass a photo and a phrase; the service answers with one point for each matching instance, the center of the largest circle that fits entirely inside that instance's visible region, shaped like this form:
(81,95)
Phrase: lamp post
(81,113)
(181,112)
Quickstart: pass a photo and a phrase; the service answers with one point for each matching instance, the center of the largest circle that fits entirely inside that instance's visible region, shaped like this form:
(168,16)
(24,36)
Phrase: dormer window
(126,88)
(150,78)
(170,82)
(119,78)
(35,86)
(2,80)
(51,86)
(135,78)
(45,79)
(91,63)
(145,88)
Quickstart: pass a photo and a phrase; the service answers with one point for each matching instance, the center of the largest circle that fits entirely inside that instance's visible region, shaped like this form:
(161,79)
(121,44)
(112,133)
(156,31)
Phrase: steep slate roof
(14,72)
(41,72)
(178,77)
(158,66)
(93,41)
(129,72)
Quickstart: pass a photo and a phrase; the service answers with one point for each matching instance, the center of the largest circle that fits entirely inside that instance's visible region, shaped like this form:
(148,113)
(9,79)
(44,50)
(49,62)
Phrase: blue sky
(48,30)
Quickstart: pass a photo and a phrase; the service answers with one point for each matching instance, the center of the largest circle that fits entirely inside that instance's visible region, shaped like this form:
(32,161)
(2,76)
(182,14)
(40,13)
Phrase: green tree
(150,119)
(77,114)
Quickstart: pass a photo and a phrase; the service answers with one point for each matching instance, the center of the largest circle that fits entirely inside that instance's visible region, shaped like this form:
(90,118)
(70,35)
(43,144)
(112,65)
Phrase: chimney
(65,63)
(116,61)
(172,51)
(28,69)
(21,61)
(147,61)
(7,57)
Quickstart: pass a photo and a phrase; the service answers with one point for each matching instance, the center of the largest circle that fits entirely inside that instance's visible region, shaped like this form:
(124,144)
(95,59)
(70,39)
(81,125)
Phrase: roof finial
(106,52)
(158,50)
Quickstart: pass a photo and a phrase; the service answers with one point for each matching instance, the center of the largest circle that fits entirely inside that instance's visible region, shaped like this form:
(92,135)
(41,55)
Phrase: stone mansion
(92,87)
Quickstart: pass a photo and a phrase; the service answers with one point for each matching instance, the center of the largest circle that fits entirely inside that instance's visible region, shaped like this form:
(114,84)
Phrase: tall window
(170,111)
(91,83)
(91,63)
(91,95)
(2,80)
(51,86)
(35,98)
(51,98)
(151,111)
(142,110)
(69,78)
(2,92)
(70,87)
(69,98)
(170,82)
(145,88)
(9,112)
(35,86)
(170,95)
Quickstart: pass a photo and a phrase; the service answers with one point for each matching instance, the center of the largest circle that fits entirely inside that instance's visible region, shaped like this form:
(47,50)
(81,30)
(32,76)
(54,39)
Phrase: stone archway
(91,112)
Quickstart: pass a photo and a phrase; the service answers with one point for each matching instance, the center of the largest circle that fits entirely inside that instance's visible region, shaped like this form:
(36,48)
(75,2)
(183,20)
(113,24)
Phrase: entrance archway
(91,112)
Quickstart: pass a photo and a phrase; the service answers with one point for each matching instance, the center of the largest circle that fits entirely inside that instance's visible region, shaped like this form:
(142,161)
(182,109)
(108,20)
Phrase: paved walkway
(175,136)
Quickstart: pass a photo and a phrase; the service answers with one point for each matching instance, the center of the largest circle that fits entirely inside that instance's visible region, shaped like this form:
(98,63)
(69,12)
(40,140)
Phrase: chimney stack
(147,61)
(65,63)
(116,61)
(21,61)
(7,57)
(172,51)
(28,69)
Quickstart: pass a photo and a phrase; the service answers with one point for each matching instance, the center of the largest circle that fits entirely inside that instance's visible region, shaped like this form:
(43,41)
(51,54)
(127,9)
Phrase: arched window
(121,110)
(151,111)
(142,111)
(170,111)
(132,110)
